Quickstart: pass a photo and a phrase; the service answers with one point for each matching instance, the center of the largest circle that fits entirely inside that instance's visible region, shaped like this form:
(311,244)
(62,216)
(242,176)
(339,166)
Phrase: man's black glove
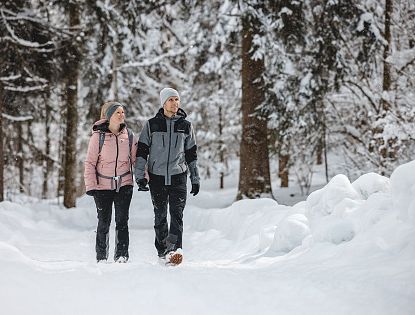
(91,192)
(195,189)
(142,184)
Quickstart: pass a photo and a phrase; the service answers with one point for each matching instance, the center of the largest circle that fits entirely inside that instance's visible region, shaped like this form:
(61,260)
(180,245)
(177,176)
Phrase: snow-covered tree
(254,174)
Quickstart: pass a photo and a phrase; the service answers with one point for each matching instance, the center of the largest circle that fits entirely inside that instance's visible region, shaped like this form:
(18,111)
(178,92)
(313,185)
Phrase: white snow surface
(348,249)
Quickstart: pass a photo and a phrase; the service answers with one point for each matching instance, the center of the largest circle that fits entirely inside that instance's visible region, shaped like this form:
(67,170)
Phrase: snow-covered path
(235,262)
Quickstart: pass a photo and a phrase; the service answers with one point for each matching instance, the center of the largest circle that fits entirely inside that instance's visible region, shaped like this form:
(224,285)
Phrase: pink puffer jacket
(101,170)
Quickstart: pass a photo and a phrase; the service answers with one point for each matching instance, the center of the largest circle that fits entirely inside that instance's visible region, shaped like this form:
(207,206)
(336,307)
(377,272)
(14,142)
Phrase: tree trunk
(48,163)
(386,148)
(254,176)
(114,83)
(283,169)
(389,148)
(69,199)
(61,170)
(320,151)
(221,153)
(20,157)
(1,146)
(386,66)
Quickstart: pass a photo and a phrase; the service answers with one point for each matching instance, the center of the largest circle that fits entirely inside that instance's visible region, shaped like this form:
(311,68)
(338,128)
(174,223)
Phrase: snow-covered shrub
(403,191)
(370,183)
(323,201)
(290,233)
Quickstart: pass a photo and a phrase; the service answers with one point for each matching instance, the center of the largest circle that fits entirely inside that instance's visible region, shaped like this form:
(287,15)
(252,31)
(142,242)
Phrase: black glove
(91,192)
(142,184)
(195,189)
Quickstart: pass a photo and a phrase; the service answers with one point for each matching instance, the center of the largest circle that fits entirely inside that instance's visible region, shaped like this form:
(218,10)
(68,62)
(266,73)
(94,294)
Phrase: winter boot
(121,259)
(174,257)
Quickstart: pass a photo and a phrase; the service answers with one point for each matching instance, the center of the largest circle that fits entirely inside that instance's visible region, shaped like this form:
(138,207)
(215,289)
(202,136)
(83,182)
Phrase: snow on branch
(14,118)
(34,77)
(25,89)
(21,41)
(150,62)
(10,78)
(12,16)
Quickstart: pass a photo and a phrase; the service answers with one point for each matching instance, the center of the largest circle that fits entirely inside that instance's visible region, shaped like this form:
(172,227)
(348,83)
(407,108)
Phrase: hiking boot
(101,261)
(121,259)
(175,257)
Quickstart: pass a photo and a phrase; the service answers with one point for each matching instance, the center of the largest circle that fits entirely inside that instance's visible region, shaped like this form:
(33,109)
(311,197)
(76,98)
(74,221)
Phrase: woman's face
(118,117)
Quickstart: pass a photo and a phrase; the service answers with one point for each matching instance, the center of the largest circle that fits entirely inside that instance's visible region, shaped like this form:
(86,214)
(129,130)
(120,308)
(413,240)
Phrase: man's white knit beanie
(166,93)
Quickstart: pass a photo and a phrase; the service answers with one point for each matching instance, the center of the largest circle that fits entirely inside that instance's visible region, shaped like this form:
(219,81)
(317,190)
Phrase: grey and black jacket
(168,147)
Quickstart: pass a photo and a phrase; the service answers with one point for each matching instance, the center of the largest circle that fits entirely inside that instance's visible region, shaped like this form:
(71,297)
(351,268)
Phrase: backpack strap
(101,140)
(130,143)
(130,139)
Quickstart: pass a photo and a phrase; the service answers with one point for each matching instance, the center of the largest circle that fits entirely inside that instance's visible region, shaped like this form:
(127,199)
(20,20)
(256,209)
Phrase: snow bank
(403,191)
(335,214)
(246,224)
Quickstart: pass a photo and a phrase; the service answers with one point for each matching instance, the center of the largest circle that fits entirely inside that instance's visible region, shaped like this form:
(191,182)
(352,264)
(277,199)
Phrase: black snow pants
(174,195)
(121,200)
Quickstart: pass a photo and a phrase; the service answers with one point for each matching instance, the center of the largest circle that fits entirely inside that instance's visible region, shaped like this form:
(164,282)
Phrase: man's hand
(195,189)
(142,184)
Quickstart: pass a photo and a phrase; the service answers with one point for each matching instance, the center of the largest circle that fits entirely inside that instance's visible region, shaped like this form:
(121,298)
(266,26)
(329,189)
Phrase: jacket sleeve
(91,162)
(190,153)
(143,149)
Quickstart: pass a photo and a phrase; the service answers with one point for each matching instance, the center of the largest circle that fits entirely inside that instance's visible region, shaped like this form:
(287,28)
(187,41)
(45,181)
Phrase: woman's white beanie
(166,93)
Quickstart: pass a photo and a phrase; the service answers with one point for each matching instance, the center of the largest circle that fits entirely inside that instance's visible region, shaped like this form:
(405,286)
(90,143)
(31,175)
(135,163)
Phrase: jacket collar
(103,126)
(181,114)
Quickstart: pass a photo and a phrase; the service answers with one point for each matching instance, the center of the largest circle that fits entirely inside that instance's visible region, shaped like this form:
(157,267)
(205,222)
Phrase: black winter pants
(174,195)
(121,200)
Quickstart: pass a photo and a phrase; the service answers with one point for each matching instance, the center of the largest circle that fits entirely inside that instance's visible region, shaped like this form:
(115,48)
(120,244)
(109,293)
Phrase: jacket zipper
(177,137)
(162,137)
(168,156)
(116,159)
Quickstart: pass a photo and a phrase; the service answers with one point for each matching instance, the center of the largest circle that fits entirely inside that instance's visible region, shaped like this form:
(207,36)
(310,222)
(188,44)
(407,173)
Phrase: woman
(109,179)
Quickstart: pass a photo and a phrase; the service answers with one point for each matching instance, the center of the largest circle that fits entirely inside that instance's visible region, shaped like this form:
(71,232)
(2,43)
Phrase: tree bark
(221,153)
(114,81)
(386,148)
(48,163)
(69,199)
(283,169)
(320,151)
(386,53)
(254,176)
(20,157)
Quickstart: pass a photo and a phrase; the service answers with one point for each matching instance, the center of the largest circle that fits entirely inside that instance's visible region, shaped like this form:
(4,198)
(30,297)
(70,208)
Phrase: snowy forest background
(284,81)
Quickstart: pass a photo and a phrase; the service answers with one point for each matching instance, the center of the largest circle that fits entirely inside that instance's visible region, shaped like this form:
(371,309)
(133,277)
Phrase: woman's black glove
(142,184)
(195,189)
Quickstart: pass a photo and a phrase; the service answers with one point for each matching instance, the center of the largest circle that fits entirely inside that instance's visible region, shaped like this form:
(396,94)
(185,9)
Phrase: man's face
(171,106)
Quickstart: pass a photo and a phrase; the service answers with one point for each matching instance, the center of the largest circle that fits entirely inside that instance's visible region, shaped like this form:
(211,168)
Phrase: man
(167,146)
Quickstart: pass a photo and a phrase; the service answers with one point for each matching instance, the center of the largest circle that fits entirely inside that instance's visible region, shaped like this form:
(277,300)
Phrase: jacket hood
(181,114)
(102,125)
